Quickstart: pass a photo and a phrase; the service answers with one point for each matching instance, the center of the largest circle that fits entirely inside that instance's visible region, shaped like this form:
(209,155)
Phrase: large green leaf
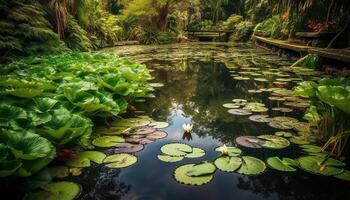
(181,176)
(228,164)
(176,149)
(320,165)
(281,165)
(201,169)
(54,191)
(251,166)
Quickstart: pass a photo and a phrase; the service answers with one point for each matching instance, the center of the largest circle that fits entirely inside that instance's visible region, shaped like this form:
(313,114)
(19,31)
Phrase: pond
(198,79)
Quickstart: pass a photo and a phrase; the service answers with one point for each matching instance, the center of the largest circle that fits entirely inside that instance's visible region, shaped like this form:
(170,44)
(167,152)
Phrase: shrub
(231,22)
(243,32)
(274,27)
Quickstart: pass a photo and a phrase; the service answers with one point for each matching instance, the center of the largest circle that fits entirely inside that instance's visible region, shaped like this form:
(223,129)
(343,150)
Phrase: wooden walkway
(209,34)
(335,54)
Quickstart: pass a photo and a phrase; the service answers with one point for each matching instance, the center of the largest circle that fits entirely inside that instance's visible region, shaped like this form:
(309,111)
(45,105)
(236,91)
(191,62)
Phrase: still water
(198,79)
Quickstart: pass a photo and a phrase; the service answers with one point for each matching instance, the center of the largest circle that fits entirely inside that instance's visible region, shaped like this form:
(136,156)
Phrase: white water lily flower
(187,127)
(223,149)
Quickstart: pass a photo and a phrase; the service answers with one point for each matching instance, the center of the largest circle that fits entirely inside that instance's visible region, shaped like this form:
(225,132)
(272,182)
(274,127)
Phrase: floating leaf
(345,175)
(311,148)
(170,159)
(278,164)
(201,169)
(196,153)
(128,148)
(59,190)
(249,141)
(239,112)
(260,118)
(228,164)
(131,122)
(141,130)
(231,151)
(112,131)
(156,85)
(284,134)
(120,160)
(319,165)
(230,105)
(281,125)
(251,166)
(274,142)
(176,149)
(299,140)
(181,176)
(107,141)
(159,124)
(157,135)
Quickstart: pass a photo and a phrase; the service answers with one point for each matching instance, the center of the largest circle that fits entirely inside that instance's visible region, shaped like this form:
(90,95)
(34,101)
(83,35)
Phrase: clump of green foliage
(243,31)
(329,111)
(76,37)
(154,36)
(309,61)
(48,102)
(203,25)
(231,22)
(24,30)
(274,27)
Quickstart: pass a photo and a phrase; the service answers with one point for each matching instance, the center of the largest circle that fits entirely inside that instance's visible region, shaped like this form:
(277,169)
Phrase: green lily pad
(159,125)
(181,176)
(131,122)
(281,125)
(170,159)
(278,164)
(94,156)
(112,131)
(230,105)
(249,141)
(274,142)
(231,151)
(55,191)
(120,160)
(240,102)
(260,118)
(196,153)
(284,134)
(311,148)
(227,163)
(251,166)
(79,163)
(201,169)
(107,141)
(299,140)
(345,175)
(318,165)
(176,149)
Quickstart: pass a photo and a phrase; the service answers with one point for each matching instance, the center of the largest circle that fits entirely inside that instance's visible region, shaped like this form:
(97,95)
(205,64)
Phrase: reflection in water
(198,81)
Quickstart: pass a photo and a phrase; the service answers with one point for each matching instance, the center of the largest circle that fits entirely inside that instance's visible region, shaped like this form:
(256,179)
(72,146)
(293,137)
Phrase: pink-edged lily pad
(239,112)
(128,147)
(157,135)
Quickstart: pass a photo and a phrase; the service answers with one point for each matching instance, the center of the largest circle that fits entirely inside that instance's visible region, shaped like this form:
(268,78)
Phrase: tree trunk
(163,18)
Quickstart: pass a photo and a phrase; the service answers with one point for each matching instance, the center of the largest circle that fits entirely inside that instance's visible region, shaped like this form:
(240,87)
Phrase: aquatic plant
(330,110)
(48,101)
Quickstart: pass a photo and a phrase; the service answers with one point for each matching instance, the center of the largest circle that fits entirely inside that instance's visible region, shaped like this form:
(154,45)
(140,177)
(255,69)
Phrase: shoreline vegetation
(56,82)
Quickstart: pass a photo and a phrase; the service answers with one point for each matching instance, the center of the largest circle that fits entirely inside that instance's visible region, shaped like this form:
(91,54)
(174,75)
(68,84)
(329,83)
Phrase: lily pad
(239,101)
(156,85)
(345,175)
(251,166)
(141,130)
(59,190)
(231,151)
(107,141)
(281,125)
(170,159)
(128,148)
(201,169)
(311,148)
(320,165)
(131,122)
(284,134)
(274,142)
(249,141)
(260,118)
(112,131)
(159,125)
(120,160)
(176,149)
(157,135)
(181,176)
(299,140)
(239,112)
(230,105)
(227,163)
(278,164)
(196,153)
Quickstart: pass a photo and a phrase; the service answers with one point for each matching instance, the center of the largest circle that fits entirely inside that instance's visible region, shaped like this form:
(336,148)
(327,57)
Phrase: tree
(156,12)
(216,7)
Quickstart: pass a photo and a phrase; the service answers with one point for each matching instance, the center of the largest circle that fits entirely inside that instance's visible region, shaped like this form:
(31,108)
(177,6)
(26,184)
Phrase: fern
(76,36)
